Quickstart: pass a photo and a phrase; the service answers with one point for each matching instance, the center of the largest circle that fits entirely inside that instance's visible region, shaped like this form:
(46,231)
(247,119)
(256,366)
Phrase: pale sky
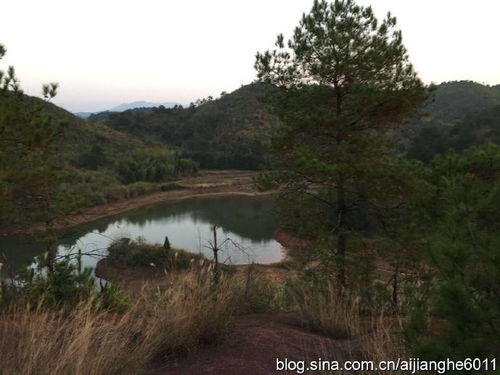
(107,52)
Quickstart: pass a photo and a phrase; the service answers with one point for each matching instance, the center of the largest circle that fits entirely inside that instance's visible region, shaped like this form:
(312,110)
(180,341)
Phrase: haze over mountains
(127,106)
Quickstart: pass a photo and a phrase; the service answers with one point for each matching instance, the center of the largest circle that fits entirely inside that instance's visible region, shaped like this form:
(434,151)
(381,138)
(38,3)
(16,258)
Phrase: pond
(247,221)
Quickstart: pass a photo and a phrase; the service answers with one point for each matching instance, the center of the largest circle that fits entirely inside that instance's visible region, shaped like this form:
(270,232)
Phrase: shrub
(172,186)
(92,159)
(141,188)
(185,166)
(112,298)
(125,252)
(64,285)
(96,198)
(265,181)
(116,193)
(145,164)
(259,294)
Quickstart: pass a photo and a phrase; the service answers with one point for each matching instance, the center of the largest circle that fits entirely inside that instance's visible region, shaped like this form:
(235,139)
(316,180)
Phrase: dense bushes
(459,217)
(153,165)
(259,294)
(186,166)
(264,181)
(101,187)
(92,159)
(172,186)
(125,252)
(108,177)
(60,284)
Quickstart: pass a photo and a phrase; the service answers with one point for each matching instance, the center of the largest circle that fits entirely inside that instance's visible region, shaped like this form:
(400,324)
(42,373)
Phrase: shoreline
(236,183)
(276,270)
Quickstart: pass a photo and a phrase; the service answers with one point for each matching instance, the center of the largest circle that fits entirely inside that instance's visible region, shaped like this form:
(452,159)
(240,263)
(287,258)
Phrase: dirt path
(208,183)
(254,344)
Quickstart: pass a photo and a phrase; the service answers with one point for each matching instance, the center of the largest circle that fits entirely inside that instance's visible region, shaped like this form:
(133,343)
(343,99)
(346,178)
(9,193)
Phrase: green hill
(230,132)
(79,136)
(450,116)
(477,128)
(234,131)
(96,163)
(452,101)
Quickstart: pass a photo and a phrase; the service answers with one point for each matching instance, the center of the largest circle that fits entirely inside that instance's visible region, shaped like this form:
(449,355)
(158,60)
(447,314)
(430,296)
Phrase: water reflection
(248,221)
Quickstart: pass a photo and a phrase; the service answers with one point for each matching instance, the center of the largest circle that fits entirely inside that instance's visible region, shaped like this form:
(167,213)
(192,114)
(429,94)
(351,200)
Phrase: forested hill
(452,101)
(458,115)
(232,131)
(91,162)
(79,136)
(79,139)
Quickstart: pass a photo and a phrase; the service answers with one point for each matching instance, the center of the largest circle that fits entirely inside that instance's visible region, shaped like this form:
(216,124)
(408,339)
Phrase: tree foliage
(458,221)
(346,86)
(231,132)
(458,115)
(29,170)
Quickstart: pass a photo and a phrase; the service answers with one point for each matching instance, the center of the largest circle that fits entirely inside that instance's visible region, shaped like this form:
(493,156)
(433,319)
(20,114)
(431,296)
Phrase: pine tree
(28,175)
(346,87)
(458,218)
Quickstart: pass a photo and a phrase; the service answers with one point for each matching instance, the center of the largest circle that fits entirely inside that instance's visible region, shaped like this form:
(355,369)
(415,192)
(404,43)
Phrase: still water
(247,221)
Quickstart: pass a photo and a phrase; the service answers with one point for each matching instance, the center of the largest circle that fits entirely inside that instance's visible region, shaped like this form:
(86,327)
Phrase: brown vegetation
(161,323)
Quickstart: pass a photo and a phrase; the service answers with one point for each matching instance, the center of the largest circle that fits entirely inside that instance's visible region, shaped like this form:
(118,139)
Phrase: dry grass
(383,341)
(328,309)
(336,313)
(84,342)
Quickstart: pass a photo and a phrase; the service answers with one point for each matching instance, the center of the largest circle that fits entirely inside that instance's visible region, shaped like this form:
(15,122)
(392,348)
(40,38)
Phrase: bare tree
(216,247)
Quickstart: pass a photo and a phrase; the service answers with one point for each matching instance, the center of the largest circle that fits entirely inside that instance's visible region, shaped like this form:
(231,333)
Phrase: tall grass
(337,314)
(259,294)
(160,323)
(383,341)
(327,309)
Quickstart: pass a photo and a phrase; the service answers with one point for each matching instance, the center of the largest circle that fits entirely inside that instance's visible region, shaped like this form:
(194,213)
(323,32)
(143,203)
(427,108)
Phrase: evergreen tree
(346,87)
(458,218)
(30,175)
(94,158)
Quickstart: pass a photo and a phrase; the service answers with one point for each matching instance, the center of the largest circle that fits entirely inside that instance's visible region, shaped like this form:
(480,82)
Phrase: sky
(107,52)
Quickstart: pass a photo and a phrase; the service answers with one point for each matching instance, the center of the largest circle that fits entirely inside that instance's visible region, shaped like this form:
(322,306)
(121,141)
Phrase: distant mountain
(126,106)
(141,104)
(84,114)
